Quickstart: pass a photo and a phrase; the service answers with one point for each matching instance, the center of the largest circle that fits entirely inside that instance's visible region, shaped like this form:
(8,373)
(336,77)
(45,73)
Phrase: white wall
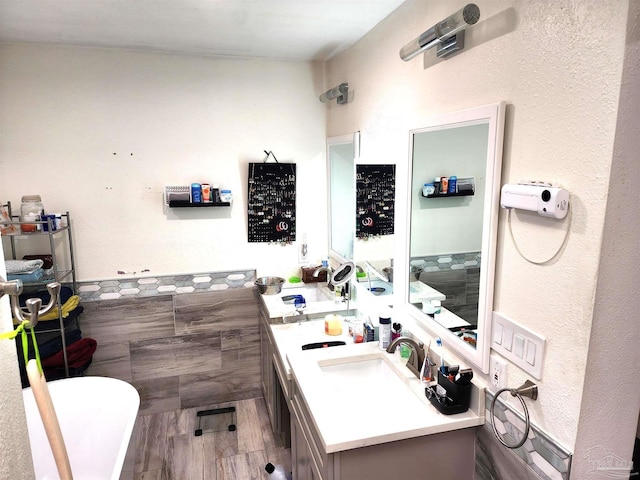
(615,335)
(558,66)
(101,132)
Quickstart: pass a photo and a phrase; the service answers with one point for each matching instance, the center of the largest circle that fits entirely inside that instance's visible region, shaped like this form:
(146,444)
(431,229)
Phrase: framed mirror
(341,154)
(456,162)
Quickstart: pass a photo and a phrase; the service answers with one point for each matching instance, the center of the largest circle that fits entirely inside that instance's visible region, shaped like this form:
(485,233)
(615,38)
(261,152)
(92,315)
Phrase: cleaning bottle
(277,472)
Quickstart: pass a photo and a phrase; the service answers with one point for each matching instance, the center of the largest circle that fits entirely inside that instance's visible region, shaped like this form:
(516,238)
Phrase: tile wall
(457,276)
(540,458)
(196,344)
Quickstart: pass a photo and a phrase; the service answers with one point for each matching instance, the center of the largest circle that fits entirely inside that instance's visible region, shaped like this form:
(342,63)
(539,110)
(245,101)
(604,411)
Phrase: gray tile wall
(457,276)
(540,458)
(179,350)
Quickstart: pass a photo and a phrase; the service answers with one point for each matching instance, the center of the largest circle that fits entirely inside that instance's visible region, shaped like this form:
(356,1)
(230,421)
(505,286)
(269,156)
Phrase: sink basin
(359,395)
(371,381)
(310,294)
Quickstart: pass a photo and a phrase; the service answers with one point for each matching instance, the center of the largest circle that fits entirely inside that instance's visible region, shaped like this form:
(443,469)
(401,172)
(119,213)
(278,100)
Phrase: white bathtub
(96,416)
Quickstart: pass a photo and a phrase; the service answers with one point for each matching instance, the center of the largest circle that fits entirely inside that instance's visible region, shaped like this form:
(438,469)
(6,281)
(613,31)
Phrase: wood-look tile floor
(164,446)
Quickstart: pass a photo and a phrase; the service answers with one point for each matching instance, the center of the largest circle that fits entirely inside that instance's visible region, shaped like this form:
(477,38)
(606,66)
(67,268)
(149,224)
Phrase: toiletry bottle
(444,185)
(453,184)
(396,331)
(226,196)
(196,193)
(215,193)
(385,330)
(277,472)
(428,189)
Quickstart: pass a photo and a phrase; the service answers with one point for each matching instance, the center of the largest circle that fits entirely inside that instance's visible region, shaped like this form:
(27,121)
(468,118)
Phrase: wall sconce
(341,92)
(448,34)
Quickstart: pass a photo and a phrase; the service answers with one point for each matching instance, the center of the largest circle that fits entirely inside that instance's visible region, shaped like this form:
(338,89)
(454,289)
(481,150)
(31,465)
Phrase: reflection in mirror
(456,163)
(341,152)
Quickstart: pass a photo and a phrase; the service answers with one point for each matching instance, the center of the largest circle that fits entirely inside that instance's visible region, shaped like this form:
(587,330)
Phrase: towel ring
(527,389)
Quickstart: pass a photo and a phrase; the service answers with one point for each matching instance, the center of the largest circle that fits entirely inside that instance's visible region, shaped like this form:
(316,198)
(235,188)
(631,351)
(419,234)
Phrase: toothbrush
(441,352)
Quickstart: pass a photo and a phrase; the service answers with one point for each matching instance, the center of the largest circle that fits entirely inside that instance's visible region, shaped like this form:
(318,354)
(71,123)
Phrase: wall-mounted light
(341,93)
(448,34)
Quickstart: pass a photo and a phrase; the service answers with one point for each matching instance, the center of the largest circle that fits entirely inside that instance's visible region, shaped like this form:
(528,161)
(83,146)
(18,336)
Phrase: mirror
(453,227)
(341,154)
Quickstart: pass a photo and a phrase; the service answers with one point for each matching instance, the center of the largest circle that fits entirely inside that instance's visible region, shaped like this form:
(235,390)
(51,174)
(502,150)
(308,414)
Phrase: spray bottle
(277,472)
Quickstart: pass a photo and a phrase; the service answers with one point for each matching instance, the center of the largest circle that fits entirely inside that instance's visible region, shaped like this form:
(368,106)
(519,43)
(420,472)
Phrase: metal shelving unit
(63,274)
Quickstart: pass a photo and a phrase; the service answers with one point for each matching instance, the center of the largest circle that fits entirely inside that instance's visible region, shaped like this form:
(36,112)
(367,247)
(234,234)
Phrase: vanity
(355,411)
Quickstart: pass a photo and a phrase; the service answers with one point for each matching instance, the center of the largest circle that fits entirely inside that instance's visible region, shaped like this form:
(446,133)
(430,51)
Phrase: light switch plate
(518,344)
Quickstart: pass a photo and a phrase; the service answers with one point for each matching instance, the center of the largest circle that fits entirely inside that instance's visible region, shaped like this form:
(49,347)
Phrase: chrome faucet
(417,353)
(327,269)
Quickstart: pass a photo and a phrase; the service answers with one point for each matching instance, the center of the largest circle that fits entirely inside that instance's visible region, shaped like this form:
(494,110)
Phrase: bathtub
(96,416)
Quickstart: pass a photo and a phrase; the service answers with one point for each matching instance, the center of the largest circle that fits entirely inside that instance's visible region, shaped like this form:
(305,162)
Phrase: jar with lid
(225,196)
(30,210)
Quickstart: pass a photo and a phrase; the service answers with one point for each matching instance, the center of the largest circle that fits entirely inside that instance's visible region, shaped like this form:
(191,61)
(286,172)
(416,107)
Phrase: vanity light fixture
(341,93)
(448,34)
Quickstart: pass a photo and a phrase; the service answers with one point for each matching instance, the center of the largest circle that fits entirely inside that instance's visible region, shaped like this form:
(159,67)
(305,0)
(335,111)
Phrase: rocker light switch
(507,338)
(518,344)
(531,353)
(497,333)
(518,347)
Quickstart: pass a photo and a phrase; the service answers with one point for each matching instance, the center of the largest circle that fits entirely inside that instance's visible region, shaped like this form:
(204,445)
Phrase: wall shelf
(448,195)
(187,203)
(465,187)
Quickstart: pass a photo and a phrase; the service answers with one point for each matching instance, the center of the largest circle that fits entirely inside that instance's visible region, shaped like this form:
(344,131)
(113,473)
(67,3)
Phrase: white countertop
(419,292)
(350,410)
(449,319)
(290,337)
(318,297)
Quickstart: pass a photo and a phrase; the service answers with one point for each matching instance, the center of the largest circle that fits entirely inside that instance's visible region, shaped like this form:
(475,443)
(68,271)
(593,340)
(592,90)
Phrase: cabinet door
(301,461)
(267,372)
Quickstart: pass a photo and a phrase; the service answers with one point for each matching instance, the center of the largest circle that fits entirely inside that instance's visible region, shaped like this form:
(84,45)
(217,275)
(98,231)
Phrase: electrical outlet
(498,372)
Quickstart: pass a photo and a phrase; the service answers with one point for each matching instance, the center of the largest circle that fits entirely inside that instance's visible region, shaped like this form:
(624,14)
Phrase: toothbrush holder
(457,396)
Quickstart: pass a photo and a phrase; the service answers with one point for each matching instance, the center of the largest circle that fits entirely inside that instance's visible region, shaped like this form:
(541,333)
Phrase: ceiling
(301,30)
